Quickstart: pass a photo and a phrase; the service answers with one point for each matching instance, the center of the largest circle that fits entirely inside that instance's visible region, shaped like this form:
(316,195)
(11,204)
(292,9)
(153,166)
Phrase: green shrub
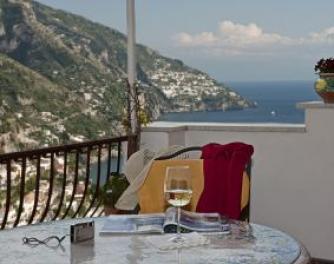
(113,189)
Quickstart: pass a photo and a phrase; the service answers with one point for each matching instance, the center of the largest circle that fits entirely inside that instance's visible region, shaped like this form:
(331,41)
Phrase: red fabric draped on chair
(223,170)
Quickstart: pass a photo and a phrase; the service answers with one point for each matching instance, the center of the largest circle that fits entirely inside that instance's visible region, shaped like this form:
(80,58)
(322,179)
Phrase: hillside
(62,77)
(35,111)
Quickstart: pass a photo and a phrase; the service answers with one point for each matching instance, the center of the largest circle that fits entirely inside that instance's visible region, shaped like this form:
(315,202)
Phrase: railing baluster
(38,176)
(22,185)
(101,213)
(119,146)
(75,183)
(46,210)
(86,182)
(8,168)
(96,193)
(96,208)
(107,178)
(98,182)
(63,188)
(109,163)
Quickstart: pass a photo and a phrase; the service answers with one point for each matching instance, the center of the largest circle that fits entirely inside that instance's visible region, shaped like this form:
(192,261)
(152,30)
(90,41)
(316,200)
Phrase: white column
(132,72)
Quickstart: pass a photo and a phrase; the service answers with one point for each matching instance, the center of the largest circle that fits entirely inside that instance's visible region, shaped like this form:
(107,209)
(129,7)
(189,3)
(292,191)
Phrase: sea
(276,103)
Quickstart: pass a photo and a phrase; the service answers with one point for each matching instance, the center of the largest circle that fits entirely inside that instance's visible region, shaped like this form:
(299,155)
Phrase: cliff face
(61,75)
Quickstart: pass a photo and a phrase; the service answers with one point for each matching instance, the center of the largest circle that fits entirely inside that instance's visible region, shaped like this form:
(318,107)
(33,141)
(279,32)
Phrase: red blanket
(223,169)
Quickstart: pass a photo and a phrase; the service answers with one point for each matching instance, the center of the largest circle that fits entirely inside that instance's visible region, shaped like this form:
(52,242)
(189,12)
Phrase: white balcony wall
(292,174)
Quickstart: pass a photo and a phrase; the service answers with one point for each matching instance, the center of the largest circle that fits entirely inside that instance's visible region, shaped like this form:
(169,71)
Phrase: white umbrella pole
(132,72)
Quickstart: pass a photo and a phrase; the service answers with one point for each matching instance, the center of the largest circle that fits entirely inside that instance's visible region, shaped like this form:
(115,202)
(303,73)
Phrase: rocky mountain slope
(61,78)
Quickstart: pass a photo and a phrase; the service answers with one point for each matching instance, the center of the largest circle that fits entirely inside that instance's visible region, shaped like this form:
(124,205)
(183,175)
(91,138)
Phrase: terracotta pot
(328,97)
(327,91)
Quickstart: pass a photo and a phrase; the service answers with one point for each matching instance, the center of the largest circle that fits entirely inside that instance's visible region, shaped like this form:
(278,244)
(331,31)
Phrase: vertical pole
(132,72)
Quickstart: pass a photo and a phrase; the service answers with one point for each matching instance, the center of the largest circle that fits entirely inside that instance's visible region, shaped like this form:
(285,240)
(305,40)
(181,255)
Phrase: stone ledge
(314,105)
(226,127)
(250,128)
(163,128)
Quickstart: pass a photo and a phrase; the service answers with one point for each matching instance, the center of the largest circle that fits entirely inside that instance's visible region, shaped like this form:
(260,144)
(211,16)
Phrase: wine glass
(178,192)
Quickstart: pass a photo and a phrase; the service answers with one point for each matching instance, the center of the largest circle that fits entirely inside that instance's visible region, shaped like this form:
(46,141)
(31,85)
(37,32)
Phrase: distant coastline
(276,103)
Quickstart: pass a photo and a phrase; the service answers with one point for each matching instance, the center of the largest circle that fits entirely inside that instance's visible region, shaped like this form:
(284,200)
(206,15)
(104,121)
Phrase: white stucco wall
(292,174)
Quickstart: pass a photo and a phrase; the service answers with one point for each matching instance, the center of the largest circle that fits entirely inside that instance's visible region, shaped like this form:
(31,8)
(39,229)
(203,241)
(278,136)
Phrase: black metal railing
(56,182)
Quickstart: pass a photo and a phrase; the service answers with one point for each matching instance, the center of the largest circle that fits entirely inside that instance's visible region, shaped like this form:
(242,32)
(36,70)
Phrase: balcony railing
(56,182)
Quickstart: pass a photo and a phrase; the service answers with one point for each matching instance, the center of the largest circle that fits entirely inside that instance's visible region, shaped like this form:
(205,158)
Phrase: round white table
(268,246)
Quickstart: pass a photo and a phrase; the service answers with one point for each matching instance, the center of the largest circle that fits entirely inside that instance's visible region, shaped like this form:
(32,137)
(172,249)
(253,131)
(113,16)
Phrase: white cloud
(242,35)
(325,36)
(204,38)
(236,39)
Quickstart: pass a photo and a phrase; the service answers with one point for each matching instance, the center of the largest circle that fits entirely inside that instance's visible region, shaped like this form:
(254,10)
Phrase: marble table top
(264,245)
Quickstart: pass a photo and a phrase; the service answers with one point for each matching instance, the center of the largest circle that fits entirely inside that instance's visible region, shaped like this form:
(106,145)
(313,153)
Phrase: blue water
(276,103)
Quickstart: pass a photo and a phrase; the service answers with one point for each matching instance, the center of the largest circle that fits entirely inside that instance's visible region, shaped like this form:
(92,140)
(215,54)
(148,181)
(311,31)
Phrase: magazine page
(171,215)
(192,221)
(132,224)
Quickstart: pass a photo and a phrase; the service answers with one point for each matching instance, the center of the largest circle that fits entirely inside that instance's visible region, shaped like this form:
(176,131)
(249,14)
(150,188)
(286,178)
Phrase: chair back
(151,194)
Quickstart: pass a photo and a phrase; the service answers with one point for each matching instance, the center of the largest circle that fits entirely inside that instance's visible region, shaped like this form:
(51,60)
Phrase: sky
(239,40)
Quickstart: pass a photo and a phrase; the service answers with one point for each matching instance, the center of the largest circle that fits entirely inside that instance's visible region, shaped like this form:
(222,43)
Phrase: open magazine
(165,223)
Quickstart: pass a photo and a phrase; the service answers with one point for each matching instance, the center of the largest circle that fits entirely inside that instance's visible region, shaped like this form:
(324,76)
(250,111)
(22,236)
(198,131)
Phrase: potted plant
(111,191)
(324,86)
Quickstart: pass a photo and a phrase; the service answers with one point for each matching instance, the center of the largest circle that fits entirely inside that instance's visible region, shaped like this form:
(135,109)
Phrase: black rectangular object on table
(82,232)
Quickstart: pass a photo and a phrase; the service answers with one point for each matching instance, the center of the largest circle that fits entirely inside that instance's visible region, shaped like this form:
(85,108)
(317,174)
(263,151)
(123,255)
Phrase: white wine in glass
(178,198)
(178,192)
